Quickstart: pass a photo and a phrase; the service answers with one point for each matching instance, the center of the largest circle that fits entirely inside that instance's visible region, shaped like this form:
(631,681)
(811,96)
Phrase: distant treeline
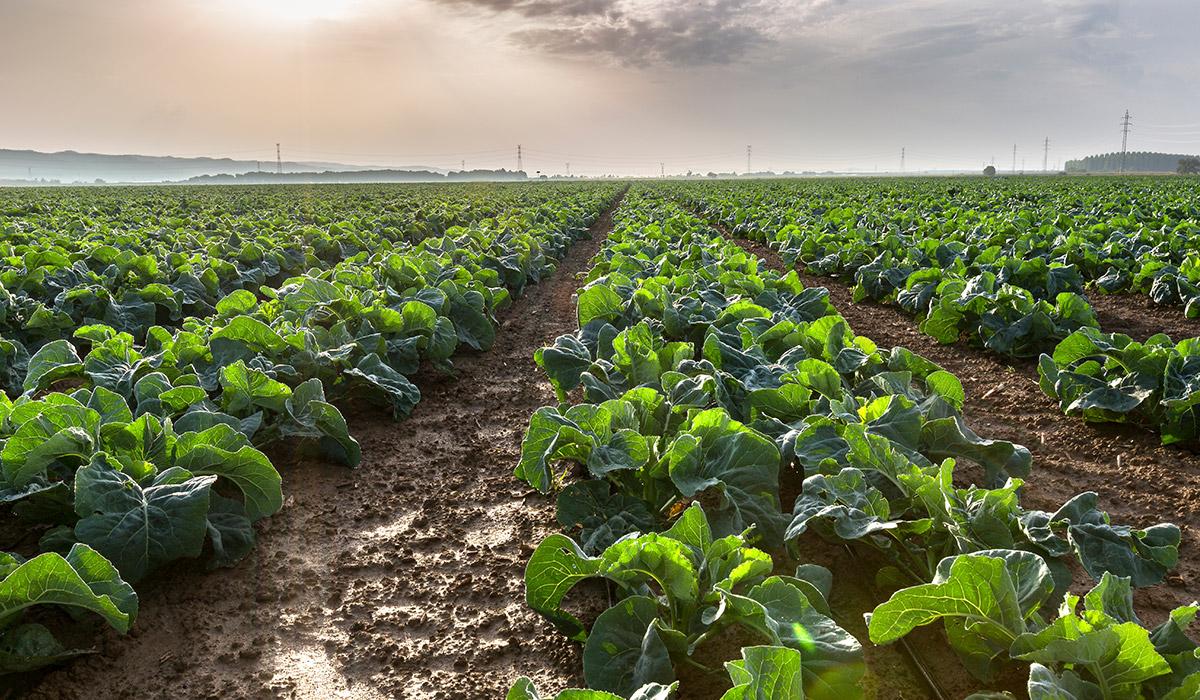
(1135,162)
(333,176)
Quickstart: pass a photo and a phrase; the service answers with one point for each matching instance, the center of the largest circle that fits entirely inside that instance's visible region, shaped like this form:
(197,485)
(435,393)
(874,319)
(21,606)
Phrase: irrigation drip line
(913,656)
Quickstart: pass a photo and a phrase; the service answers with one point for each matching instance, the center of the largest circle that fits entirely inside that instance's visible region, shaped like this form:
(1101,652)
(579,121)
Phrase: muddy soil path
(1140,482)
(400,579)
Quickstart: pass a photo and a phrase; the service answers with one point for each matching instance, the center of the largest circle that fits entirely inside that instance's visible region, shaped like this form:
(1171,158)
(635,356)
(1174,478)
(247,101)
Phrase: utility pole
(278,161)
(568,169)
(902,149)
(1124,139)
(520,167)
(662,170)
(258,166)
(1014,168)
(748,171)
(1045,153)
(462,165)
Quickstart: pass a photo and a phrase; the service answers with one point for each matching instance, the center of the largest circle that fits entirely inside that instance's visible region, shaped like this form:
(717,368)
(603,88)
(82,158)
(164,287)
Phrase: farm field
(920,437)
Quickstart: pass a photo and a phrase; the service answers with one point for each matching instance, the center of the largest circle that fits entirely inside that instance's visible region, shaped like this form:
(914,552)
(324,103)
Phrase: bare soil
(1140,482)
(1139,318)
(400,579)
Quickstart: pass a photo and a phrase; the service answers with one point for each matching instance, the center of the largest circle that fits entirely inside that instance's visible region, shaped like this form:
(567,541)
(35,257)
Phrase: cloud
(651,32)
(703,38)
(539,8)
(698,33)
(1086,19)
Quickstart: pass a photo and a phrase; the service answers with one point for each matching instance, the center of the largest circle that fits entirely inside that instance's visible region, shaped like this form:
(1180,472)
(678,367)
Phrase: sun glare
(294,10)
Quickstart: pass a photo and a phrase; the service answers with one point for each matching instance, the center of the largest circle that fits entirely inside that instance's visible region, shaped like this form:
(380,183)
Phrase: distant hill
(1135,162)
(70,166)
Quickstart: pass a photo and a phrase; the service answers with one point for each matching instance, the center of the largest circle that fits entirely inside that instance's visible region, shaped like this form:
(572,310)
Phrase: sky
(611,86)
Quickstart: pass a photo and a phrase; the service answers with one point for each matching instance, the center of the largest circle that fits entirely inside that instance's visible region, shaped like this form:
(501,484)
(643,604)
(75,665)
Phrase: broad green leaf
(54,433)
(977,598)
(624,650)
(950,437)
(237,302)
(653,558)
(402,393)
(850,507)
(53,361)
(313,417)
(768,673)
(524,689)
(1118,657)
(141,528)
(224,452)
(252,333)
(833,659)
(1044,684)
(599,302)
(246,389)
(31,646)
(82,579)
(735,466)
(553,570)
(230,532)
(603,516)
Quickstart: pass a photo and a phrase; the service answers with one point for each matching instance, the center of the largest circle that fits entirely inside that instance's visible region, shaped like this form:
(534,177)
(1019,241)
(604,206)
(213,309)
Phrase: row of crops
(136,258)
(156,341)
(698,388)
(1006,265)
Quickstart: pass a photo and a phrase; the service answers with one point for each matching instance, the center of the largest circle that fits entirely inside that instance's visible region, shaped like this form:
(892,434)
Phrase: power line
(1185,127)
(1124,139)
(1169,134)
(1155,139)
(380,154)
(633,159)
(520,167)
